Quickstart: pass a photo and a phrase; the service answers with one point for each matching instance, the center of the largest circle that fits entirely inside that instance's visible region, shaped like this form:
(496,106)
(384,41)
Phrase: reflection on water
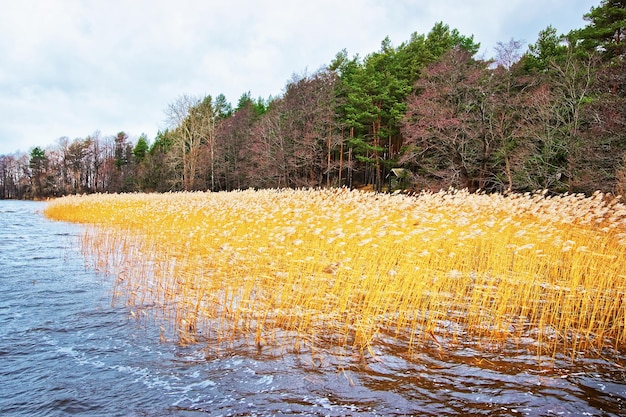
(65,350)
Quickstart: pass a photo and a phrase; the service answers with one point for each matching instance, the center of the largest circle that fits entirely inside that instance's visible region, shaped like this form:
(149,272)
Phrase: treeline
(427,114)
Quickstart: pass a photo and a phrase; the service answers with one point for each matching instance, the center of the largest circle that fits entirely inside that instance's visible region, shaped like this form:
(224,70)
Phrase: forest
(428,114)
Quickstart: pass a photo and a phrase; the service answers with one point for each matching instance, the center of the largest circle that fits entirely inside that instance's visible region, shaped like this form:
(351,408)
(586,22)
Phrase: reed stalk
(339,270)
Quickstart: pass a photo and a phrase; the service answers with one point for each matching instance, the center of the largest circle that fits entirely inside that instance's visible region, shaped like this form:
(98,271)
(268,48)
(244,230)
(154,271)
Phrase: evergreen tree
(37,165)
(373,94)
(606,31)
(548,49)
(141,148)
(441,39)
(157,173)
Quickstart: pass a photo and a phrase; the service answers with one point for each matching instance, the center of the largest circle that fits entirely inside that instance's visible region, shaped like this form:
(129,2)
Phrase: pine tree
(606,31)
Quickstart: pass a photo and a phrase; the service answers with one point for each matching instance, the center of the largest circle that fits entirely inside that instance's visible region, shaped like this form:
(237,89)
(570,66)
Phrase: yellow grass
(340,270)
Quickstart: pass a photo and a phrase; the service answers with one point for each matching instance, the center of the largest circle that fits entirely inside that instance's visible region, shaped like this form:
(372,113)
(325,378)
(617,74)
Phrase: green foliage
(363,149)
(37,158)
(259,105)
(223,109)
(519,125)
(606,31)
(121,150)
(548,49)
(156,174)
(373,92)
(38,166)
(141,148)
(162,142)
(441,39)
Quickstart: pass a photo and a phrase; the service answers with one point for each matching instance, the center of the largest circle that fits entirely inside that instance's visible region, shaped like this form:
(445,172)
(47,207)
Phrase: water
(65,350)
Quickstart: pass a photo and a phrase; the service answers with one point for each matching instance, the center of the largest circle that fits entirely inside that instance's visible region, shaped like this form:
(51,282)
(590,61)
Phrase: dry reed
(337,270)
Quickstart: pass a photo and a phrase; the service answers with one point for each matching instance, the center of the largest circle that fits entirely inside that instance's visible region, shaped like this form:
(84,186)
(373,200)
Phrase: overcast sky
(73,67)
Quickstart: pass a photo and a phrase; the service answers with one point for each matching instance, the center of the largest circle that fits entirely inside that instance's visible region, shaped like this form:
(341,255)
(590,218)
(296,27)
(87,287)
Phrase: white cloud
(70,67)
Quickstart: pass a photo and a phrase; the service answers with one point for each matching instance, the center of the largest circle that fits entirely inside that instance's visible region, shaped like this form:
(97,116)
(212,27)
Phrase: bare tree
(444,126)
(193,124)
(553,116)
(508,54)
(185,123)
(504,101)
(233,147)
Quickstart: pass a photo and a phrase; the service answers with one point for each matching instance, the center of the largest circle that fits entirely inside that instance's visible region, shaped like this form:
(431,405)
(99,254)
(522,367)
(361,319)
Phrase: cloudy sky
(73,67)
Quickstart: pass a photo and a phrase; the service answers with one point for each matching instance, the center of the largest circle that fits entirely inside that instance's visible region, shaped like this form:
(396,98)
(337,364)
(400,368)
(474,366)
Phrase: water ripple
(64,349)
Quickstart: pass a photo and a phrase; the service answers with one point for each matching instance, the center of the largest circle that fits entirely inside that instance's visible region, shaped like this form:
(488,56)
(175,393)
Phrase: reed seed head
(340,269)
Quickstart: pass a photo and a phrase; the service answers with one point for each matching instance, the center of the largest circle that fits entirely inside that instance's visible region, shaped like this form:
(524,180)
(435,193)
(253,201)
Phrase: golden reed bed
(339,270)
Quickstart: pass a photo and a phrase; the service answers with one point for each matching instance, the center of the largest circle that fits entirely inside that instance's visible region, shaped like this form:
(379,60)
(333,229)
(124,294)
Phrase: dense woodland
(426,114)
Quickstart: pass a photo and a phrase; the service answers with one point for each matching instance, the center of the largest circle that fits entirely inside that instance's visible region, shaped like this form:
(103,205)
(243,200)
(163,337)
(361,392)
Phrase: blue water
(66,350)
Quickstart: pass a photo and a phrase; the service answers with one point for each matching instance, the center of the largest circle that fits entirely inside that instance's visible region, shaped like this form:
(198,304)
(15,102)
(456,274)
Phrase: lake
(65,349)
